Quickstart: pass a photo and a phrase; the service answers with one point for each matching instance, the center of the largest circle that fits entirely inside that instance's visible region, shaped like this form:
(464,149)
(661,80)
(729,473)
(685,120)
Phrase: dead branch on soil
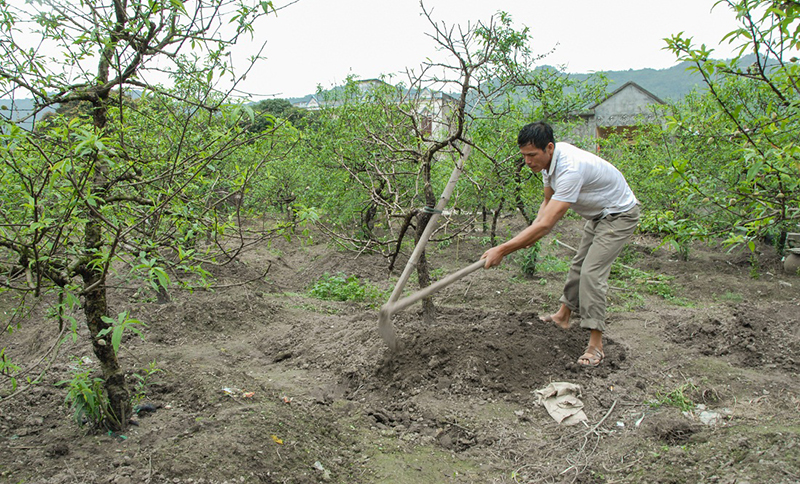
(598,424)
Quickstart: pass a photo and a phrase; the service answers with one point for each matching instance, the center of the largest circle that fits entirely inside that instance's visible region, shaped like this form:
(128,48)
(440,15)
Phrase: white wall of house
(625,107)
(628,106)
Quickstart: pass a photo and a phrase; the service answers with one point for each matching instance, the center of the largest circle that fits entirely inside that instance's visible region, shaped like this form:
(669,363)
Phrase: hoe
(395,304)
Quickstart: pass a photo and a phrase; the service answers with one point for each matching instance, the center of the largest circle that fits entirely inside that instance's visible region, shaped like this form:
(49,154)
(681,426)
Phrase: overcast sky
(321,42)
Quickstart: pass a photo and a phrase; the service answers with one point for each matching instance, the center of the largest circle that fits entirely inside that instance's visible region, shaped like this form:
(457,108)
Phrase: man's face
(537,159)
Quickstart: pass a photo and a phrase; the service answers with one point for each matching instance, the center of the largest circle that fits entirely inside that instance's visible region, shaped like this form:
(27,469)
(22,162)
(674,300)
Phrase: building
(620,112)
(433,108)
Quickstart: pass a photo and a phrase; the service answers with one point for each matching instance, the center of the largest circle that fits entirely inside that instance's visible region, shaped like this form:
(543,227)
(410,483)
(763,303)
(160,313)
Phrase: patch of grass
(550,263)
(341,287)
(628,255)
(730,296)
(632,280)
(676,398)
(627,302)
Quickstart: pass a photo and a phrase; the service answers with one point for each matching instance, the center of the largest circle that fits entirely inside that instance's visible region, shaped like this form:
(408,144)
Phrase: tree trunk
(368,221)
(423,272)
(493,235)
(518,195)
(94,282)
(95,307)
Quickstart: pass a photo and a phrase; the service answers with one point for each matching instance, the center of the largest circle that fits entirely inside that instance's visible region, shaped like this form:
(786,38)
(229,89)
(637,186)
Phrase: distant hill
(670,84)
(19,109)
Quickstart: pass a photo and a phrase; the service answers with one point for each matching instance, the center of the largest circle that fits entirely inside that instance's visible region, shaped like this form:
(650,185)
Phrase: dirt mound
(471,352)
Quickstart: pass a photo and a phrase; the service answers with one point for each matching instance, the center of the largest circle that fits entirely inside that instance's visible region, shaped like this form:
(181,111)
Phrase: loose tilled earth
(261,383)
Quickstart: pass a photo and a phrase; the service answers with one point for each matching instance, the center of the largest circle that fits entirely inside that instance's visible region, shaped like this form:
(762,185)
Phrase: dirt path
(261,383)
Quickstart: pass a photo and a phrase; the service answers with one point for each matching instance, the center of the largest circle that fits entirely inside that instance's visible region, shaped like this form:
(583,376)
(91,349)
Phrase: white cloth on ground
(562,402)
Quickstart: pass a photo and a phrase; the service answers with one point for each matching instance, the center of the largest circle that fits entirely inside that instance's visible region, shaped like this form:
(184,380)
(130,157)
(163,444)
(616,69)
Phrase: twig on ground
(598,424)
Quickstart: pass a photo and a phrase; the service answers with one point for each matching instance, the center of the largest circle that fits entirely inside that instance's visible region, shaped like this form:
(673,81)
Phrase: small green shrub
(117,328)
(86,398)
(340,287)
(528,259)
(9,369)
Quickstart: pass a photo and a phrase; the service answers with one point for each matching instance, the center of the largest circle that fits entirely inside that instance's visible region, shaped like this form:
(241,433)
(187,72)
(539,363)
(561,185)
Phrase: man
(597,191)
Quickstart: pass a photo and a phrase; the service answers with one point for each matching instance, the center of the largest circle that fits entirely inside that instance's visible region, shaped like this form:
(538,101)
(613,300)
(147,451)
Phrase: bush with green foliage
(87,398)
(341,287)
(733,154)
(528,259)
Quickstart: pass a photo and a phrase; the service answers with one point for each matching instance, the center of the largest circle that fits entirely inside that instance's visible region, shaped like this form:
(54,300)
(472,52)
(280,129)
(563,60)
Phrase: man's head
(539,134)
(536,144)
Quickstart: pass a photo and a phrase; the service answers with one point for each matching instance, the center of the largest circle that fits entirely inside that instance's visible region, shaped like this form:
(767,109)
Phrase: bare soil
(261,383)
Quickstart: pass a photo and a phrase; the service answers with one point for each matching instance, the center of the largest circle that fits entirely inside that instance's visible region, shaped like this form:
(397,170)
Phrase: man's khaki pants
(587,281)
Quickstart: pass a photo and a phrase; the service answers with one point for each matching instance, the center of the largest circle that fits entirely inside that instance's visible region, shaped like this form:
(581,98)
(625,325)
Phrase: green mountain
(669,84)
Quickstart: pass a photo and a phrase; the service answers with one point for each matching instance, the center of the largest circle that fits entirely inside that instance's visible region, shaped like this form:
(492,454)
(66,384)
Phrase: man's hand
(493,257)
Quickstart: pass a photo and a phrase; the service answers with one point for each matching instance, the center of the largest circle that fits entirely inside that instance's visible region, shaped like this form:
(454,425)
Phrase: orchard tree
(736,151)
(138,173)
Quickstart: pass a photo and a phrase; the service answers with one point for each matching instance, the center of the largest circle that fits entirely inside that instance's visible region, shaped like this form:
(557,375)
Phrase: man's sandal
(592,357)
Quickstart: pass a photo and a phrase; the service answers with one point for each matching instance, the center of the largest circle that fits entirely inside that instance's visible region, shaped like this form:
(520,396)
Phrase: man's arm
(550,213)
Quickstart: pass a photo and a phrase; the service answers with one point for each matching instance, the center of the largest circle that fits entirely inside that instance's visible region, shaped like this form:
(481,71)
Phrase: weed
(628,255)
(437,273)
(8,369)
(444,244)
(627,302)
(143,381)
(754,266)
(550,263)
(635,280)
(86,397)
(528,259)
(731,296)
(344,288)
(676,398)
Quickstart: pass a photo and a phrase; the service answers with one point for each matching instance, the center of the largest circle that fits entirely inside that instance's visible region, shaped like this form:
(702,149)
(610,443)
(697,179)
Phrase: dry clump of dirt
(259,382)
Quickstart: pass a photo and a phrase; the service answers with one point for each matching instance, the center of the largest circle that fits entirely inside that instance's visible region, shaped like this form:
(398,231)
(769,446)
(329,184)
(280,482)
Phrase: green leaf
(178,5)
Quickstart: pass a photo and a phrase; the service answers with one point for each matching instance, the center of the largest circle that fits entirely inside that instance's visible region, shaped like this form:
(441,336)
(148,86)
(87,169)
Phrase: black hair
(540,134)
